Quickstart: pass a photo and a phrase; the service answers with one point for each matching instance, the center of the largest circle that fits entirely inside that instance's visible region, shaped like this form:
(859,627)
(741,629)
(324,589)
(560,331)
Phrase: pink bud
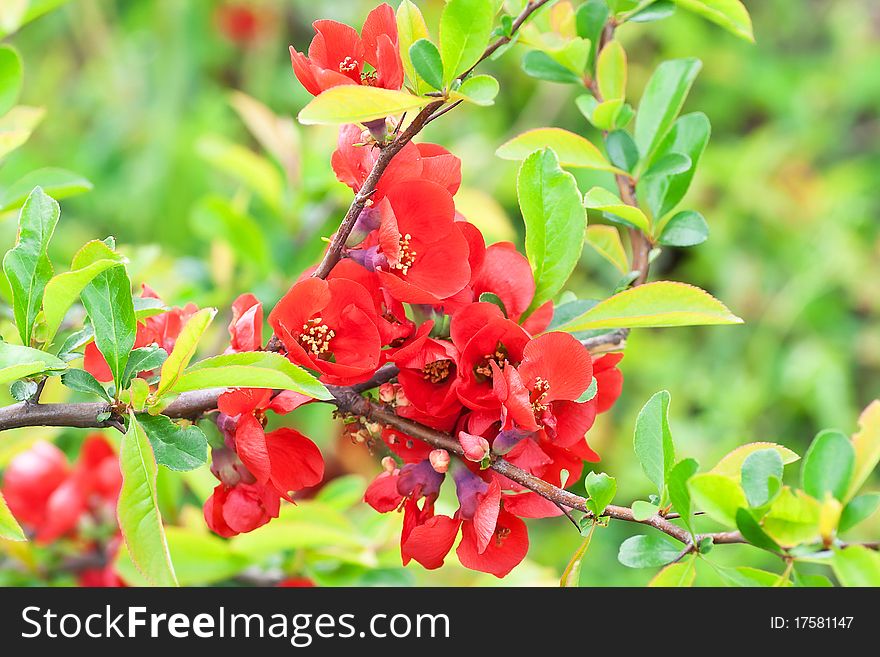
(439,460)
(386,393)
(389,464)
(476,448)
(400,398)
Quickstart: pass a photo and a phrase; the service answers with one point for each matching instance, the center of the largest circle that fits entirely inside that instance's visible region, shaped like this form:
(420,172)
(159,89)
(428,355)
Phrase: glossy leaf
(679,494)
(465,27)
(555,222)
(599,198)
(17,362)
(138,508)
(622,150)
(175,446)
(601,488)
(606,241)
(426,62)
(718,496)
(793,518)
(611,71)
(107,300)
(828,465)
(184,349)
(540,65)
(143,359)
(353,103)
(643,510)
(859,508)
(652,440)
(648,551)
(83,381)
(761,476)
(662,303)
(478,89)
(687,228)
(731,464)
(571,149)
(27,264)
(676,575)
(729,14)
(410,28)
(753,533)
(688,137)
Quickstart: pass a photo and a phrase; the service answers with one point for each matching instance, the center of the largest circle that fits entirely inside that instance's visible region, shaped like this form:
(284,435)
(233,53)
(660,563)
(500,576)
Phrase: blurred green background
(140,99)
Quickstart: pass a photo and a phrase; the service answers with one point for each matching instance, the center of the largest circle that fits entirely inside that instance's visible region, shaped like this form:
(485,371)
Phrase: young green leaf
(643,510)
(729,14)
(793,518)
(622,150)
(571,149)
(477,89)
(661,102)
(10,530)
(465,27)
(83,381)
(611,71)
(143,359)
(10,78)
(731,464)
(679,494)
(555,222)
(590,21)
(655,11)
(354,103)
(606,241)
(687,228)
(828,465)
(688,137)
(856,566)
(107,300)
(176,447)
(184,349)
(571,576)
(253,369)
(138,508)
(866,443)
(23,390)
(17,362)
(859,508)
(648,551)
(57,183)
(426,61)
(541,66)
(658,304)
(718,496)
(410,28)
(599,198)
(601,488)
(27,264)
(676,575)
(752,532)
(762,476)
(652,440)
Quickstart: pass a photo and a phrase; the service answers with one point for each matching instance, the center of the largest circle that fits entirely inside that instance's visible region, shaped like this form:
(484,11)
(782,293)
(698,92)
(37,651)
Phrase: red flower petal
(296,461)
(562,361)
(508,547)
(382,493)
(250,445)
(430,542)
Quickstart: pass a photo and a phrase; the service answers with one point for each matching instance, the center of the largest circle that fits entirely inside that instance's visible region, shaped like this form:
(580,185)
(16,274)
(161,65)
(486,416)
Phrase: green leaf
(27,264)
(611,71)
(793,518)
(426,61)
(746,576)
(658,304)
(138,508)
(729,14)
(10,530)
(83,381)
(354,103)
(571,149)
(253,369)
(675,575)
(17,362)
(718,496)
(143,359)
(199,559)
(828,465)
(648,551)
(687,228)
(465,28)
(184,349)
(555,222)
(601,488)
(762,476)
(643,510)
(688,137)
(23,390)
(64,289)
(652,440)
(661,102)
(590,21)
(139,391)
(478,89)
(655,11)
(58,183)
(668,164)
(679,494)
(16,127)
(856,566)
(489,297)
(866,443)
(540,65)
(752,532)
(410,28)
(599,198)
(571,576)
(622,150)
(606,241)
(731,464)
(10,78)
(859,508)
(176,447)
(107,300)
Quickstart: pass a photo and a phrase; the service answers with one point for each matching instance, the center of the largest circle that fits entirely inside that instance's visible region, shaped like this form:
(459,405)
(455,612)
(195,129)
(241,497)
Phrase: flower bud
(439,460)
(476,448)
(389,464)
(386,393)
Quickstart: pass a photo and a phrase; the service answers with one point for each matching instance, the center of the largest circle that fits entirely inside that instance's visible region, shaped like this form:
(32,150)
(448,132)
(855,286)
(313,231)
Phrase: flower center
(370,79)
(316,337)
(438,371)
(484,368)
(348,65)
(539,393)
(406,256)
(500,534)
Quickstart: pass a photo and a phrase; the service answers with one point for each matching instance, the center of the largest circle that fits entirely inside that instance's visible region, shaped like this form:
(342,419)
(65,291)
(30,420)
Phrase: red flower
(246,327)
(239,23)
(241,508)
(337,54)
(506,548)
(329,326)
(609,380)
(484,336)
(30,480)
(424,257)
(284,457)
(354,159)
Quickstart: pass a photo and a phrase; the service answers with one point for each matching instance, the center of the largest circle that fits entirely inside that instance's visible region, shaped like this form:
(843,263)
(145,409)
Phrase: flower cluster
(413,288)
